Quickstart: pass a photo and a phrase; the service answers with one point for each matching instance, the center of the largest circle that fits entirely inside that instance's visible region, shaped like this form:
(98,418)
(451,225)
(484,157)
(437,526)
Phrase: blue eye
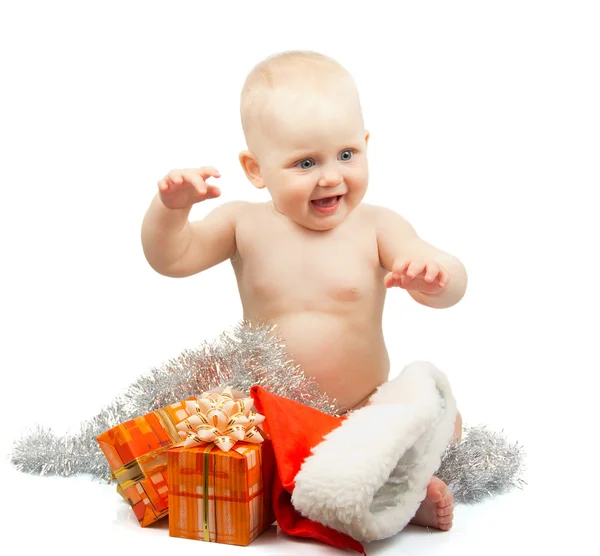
(306,164)
(345,155)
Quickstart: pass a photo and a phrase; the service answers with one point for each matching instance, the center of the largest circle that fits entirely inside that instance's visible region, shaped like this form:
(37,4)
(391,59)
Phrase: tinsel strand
(250,355)
(481,465)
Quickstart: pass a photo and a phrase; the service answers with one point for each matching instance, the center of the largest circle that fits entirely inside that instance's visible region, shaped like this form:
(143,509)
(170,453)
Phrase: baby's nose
(330,178)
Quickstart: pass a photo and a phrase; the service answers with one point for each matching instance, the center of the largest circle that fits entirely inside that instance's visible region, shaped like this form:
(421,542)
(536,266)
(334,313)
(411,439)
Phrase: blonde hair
(296,73)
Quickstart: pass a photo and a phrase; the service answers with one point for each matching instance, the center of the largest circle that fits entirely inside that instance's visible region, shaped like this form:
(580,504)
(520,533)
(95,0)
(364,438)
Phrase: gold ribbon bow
(221,419)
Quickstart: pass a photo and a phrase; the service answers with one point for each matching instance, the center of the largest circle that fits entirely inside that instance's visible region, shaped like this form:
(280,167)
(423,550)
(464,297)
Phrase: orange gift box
(136,452)
(218,496)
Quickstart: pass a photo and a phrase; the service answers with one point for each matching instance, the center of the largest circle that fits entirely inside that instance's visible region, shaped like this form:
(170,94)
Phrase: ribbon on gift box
(220,419)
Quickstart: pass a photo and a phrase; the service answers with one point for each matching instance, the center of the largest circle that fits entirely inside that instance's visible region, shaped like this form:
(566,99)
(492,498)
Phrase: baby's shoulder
(372,214)
(378,213)
(249,217)
(384,220)
(249,210)
(238,209)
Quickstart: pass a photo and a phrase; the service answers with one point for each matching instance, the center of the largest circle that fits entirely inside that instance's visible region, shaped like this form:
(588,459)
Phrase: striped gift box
(218,496)
(136,452)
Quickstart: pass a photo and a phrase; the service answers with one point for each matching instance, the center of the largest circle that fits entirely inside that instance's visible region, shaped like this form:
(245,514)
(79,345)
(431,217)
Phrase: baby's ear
(252,169)
(367,135)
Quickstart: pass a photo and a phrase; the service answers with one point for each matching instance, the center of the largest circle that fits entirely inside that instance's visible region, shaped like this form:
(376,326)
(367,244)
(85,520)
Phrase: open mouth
(328,204)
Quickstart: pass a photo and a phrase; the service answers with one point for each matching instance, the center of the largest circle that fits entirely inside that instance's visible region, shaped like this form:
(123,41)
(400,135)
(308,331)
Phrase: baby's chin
(311,220)
(319,227)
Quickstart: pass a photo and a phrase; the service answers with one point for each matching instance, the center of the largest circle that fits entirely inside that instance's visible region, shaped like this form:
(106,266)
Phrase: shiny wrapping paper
(136,452)
(218,496)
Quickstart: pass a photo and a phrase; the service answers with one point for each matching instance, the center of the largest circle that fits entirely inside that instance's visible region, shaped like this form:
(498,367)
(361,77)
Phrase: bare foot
(437,509)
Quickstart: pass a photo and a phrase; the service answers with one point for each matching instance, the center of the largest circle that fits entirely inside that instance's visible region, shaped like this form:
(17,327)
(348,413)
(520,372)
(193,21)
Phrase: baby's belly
(347,358)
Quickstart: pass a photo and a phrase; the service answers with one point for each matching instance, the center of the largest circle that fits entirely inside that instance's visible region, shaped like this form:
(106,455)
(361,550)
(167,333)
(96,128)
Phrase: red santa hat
(361,477)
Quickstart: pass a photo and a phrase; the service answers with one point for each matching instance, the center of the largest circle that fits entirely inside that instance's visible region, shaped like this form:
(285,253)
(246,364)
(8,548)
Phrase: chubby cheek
(358,180)
(295,194)
(300,195)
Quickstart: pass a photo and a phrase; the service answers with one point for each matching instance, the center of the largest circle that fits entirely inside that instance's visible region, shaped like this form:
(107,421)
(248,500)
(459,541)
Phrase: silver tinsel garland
(482,464)
(249,355)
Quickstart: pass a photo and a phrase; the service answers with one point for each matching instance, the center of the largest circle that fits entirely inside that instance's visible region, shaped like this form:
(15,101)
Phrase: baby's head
(306,137)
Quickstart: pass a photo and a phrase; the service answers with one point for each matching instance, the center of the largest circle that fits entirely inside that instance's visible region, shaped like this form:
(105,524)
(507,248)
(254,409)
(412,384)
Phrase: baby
(314,259)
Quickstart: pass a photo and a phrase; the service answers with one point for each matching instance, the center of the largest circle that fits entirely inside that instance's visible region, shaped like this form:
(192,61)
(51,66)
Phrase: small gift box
(220,477)
(136,452)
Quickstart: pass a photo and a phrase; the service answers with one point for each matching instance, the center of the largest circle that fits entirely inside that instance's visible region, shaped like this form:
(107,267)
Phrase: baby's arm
(175,247)
(399,245)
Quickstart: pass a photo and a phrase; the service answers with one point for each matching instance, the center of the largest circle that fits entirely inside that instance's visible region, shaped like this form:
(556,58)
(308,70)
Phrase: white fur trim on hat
(368,476)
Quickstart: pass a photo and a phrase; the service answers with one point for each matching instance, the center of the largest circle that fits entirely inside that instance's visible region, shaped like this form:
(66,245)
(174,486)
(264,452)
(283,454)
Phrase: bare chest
(282,269)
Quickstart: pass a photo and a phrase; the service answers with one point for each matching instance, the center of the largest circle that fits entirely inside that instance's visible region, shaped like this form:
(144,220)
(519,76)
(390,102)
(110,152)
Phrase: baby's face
(313,160)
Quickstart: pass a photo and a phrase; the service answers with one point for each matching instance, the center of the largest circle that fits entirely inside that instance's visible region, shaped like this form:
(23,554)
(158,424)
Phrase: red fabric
(269,470)
(292,444)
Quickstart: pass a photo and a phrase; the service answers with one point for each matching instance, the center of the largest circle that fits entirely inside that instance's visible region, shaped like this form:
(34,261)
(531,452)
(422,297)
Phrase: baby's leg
(437,510)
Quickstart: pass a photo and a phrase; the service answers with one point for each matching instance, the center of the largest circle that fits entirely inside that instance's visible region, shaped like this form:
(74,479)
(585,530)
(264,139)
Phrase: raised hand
(182,188)
(423,276)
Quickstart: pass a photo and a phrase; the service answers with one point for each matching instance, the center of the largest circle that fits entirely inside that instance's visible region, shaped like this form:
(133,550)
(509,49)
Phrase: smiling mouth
(327,202)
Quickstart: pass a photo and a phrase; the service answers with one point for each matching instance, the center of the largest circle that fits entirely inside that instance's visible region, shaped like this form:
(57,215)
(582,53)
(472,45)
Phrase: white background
(484,121)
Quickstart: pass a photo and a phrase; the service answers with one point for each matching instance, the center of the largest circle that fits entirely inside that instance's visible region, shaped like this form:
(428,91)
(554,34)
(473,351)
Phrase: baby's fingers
(443,277)
(399,268)
(390,280)
(208,172)
(414,269)
(432,270)
(195,180)
(174,177)
(213,192)
(163,185)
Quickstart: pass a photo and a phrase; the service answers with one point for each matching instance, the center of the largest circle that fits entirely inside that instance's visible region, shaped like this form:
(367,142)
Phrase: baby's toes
(447,498)
(445,514)
(447,511)
(445,523)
